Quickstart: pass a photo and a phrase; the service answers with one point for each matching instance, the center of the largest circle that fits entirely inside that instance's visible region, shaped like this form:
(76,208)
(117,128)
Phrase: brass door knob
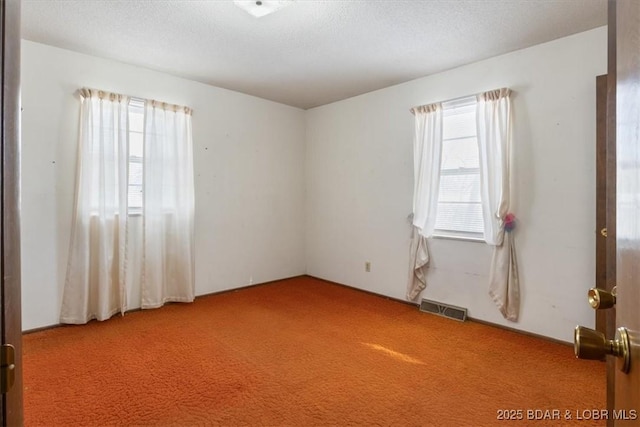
(590,344)
(600,299)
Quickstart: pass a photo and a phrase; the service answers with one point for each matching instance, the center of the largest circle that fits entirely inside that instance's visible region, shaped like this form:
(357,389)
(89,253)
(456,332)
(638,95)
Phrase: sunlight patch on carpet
(394,354)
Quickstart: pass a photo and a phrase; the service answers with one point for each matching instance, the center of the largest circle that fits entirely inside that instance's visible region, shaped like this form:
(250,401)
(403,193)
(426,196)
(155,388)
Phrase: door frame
(611,197)
(11,412)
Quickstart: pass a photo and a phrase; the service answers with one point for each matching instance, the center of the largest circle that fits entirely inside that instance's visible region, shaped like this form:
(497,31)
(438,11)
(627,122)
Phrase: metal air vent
(445,310)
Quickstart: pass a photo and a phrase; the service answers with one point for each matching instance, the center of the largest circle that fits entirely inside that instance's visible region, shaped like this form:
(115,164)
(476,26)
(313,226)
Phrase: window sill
(459,237)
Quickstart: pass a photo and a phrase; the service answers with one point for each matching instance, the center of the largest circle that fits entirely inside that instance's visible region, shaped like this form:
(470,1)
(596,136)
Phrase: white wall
(360,179)
(249,166)
(253,177)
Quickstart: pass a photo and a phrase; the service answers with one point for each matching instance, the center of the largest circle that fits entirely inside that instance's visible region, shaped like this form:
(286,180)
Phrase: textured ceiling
(311,52)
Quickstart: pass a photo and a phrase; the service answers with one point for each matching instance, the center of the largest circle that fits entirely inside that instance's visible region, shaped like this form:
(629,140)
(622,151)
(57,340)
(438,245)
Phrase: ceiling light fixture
(260,8)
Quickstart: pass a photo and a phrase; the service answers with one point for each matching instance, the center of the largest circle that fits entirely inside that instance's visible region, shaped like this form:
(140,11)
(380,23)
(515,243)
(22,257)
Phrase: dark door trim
(11,325)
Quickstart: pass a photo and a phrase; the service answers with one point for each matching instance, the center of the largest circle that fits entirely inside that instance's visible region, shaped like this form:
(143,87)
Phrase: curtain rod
(86,92)
(459,98)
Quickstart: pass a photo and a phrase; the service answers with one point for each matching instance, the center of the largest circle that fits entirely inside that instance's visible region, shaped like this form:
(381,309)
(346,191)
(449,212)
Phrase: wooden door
(606,209)
(10,318)
(627,50)
(601,194)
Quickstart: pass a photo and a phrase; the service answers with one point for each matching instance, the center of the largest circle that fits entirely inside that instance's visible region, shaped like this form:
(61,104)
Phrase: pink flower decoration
(509,222)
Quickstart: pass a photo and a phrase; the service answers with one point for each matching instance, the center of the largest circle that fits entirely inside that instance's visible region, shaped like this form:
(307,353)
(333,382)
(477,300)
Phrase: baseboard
(253,285)
(41,328)
(471,319)
(417,305)
(57,325)
(414,304)
(519,331)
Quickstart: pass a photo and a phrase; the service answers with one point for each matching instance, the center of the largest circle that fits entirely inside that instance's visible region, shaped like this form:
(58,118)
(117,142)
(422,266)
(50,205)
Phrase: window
(163,243)
(459,205)
(136,132)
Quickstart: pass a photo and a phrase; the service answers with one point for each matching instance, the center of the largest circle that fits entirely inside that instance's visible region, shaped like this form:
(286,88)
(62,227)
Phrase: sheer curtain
(94,285)
(168,206)
(495,146)
(427,153)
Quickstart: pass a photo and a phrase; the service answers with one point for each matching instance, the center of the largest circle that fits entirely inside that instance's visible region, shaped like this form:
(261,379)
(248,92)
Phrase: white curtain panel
(94,286)
(427,156)
(168,206)
(494,123)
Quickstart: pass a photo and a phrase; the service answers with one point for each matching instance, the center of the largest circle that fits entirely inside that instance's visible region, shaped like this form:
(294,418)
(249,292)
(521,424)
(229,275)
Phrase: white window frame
(458,234)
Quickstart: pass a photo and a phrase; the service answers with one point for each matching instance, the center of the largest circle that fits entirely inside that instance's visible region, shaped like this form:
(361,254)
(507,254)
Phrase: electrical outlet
(367,266)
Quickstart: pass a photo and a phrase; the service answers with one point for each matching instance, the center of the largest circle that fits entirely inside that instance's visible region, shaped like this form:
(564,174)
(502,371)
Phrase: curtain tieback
(509,222)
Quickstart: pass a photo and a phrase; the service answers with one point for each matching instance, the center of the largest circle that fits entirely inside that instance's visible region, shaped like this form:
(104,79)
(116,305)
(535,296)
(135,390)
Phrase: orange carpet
(299,352)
